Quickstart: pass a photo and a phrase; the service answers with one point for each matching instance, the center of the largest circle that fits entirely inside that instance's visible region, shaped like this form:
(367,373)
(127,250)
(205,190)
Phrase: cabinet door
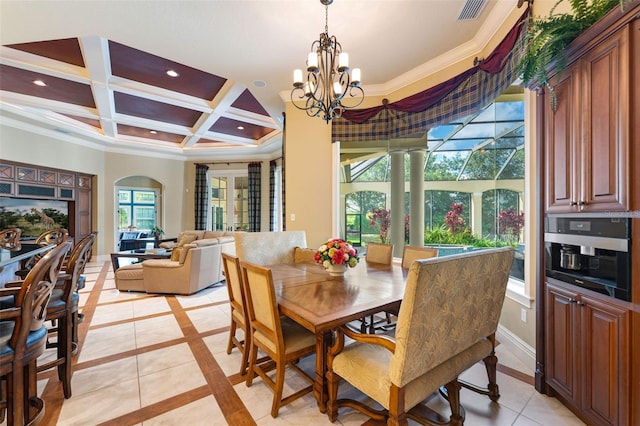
(605,121)
(82,213)
(605,360)
(562,337)
(561,129)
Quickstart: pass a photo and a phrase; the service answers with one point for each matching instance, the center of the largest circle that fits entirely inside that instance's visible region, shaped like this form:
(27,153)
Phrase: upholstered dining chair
(411,253)
(447,323)
(379,253)
(237,302)
(281,339)
(10,238)
(23,338)
(62,310)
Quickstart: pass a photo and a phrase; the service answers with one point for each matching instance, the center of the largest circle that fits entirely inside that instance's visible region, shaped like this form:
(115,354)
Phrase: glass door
(229,202)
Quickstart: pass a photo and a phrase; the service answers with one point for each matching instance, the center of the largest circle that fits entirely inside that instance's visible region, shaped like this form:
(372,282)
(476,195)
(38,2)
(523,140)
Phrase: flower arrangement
(336,252)
(381,217)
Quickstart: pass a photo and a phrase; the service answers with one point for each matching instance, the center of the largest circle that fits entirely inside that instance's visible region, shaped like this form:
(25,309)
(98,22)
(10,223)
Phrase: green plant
(157,232)
(547,38)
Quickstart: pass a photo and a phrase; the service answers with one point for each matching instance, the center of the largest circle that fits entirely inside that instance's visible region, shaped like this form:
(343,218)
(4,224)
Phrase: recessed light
(39,83)
(240,127)
(153,132)
(259,83)
(172,73)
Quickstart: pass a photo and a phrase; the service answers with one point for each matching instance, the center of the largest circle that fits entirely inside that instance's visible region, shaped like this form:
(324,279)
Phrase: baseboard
(523,351)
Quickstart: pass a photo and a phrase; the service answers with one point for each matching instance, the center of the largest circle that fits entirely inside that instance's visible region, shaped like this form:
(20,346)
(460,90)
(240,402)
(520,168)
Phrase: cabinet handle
(573,203)
(572,300)
(580,303)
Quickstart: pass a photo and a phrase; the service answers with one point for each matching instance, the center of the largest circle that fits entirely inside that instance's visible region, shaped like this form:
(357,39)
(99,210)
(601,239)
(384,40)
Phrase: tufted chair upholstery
(447,323)
(269,248)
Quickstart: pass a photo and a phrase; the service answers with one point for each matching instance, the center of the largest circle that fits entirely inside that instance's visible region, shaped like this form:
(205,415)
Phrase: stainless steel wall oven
(590,252)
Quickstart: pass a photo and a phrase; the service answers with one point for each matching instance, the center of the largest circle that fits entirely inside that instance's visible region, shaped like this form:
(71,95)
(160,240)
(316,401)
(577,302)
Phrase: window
(229,201)
(136,209)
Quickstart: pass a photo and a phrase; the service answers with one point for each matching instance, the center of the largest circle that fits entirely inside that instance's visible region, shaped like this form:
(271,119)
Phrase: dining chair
(62,310)
(237,302)
(411,253)
(447,323)
(381,254)
(10,238)
(303,255)
(283,340)
(23,338)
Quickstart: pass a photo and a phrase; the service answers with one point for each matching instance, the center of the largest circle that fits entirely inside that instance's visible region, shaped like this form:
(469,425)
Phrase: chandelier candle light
(328,80)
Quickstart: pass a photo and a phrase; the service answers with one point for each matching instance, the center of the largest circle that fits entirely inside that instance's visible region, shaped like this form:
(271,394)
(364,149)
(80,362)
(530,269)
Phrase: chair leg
(333,381)
(490,364)
(253,356)
(245,354)
(232,334)
(65,346)
(277,390)
(453,391)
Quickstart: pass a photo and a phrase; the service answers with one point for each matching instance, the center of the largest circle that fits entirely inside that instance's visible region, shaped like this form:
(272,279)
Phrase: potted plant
(157,233)
(548,37)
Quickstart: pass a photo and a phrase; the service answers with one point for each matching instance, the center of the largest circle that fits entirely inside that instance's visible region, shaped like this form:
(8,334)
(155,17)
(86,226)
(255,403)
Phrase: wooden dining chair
(51,237)
(237,302)
(23,338)
(281,339)
(379,253)
(411,253)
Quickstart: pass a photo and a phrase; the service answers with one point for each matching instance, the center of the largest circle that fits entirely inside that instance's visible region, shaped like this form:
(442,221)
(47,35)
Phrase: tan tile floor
(161,360)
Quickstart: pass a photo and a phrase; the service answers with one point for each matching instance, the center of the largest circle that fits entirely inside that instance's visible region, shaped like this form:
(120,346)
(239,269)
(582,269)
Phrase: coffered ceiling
(103,65)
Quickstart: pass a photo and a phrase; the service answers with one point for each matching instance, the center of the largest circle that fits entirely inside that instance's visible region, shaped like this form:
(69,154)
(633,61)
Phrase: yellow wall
(308,157)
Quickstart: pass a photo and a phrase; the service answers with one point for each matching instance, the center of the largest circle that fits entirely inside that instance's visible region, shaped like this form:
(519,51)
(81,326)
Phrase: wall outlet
(293,217)
(523,315)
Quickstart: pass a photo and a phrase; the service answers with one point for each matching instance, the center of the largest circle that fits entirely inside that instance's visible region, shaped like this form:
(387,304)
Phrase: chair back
(268,248)
(411,253)
(450,303)
(262,308)
(52,236)
(379,253)
(78,259)
(34,296)
(10,238)
(303,255)
(233,275)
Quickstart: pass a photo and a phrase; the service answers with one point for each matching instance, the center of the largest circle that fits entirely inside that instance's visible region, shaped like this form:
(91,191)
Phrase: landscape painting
(33,217)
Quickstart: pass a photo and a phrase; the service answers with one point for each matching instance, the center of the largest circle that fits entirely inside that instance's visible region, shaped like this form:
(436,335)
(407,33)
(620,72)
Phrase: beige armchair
(197,267)
(447,323)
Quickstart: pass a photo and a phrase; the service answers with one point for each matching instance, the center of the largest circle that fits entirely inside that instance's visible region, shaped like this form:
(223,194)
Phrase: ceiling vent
(471,10)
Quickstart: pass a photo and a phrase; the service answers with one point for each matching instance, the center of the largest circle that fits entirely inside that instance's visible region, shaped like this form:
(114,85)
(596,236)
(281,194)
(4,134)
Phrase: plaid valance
(455,98)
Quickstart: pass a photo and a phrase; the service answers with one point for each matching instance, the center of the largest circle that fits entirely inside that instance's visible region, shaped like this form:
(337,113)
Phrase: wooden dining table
(320,303)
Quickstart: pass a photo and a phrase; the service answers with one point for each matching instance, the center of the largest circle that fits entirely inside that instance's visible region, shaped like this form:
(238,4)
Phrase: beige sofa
(196,263)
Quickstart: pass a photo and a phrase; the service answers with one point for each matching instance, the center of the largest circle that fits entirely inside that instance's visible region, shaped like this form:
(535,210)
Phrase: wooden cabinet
(588,353)
(587,134)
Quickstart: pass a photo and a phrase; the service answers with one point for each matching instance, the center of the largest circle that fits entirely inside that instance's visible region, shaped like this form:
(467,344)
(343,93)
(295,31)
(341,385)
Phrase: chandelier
(328,81)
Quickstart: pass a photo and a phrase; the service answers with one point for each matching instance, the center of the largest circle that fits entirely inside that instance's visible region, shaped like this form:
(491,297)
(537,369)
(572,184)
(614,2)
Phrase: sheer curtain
(254,196)
(201,196)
